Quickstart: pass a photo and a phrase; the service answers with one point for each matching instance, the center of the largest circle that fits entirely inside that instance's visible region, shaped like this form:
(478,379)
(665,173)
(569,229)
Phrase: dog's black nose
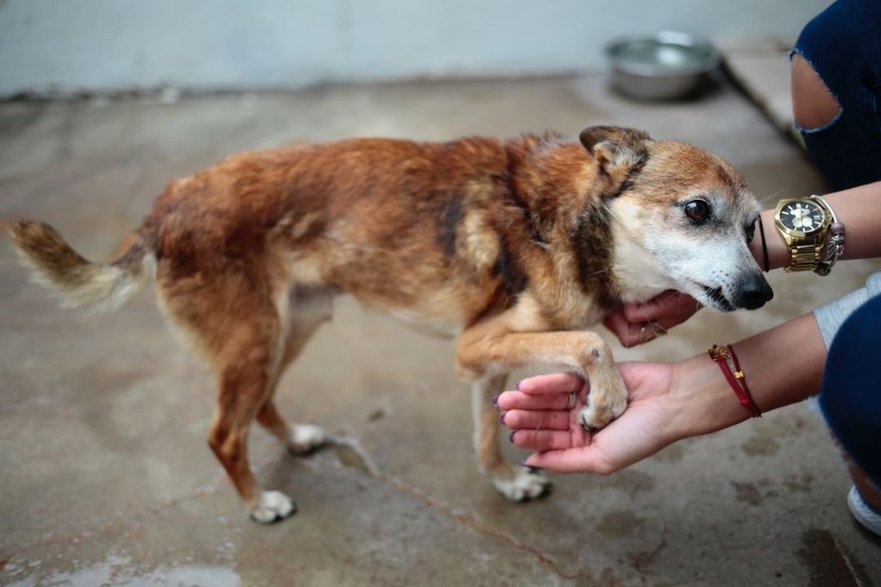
(753,292)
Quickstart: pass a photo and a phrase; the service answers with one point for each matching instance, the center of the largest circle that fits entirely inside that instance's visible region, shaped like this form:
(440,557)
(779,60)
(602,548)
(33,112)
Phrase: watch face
(802,216)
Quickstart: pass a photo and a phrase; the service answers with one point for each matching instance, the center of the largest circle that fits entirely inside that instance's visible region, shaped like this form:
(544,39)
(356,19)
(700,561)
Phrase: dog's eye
(697,210)
(750,230)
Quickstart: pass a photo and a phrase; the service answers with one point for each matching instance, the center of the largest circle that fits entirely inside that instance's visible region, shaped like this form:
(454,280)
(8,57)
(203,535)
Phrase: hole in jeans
(813,104)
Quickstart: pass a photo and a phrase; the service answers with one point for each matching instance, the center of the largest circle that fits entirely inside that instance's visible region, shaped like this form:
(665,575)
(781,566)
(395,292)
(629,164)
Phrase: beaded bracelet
(736,379)
(834,246)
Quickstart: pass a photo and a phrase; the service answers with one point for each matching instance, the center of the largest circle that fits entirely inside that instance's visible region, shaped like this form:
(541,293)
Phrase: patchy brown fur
(504,242)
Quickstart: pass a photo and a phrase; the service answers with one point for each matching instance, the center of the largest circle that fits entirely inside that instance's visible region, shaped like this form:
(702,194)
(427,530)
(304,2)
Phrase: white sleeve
(831,316)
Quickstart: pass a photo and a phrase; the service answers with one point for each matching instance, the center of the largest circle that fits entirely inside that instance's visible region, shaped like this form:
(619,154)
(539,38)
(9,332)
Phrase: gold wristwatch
(803,223)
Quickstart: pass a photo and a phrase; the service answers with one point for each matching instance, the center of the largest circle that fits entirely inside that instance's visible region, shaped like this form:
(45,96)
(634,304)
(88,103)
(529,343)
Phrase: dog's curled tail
(78,281)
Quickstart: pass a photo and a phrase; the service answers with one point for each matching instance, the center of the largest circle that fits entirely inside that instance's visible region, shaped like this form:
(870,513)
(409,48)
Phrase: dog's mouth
(718,299)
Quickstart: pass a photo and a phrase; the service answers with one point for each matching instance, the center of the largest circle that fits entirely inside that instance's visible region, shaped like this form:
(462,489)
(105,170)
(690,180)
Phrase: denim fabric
(850,397)
(831,316)
(843,44)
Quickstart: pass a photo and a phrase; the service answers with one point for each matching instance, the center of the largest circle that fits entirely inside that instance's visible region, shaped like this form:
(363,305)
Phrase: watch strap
(804,257)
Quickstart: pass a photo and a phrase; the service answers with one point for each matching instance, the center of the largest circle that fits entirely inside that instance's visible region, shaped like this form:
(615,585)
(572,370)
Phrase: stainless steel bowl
(663,66)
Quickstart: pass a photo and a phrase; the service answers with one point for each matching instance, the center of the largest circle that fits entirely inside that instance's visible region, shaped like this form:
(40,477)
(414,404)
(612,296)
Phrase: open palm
(542,421)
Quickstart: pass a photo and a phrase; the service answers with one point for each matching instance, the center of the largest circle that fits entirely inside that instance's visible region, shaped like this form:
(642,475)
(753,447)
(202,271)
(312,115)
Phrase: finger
(627,332)
(650,309)
(573,460)
(534,420)
(552,384)
(542,440)
(517,400)
(668,309)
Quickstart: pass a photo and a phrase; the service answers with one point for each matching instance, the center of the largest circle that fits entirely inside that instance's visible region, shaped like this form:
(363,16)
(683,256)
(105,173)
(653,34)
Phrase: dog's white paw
(306,439)
(273,506)
(521,483)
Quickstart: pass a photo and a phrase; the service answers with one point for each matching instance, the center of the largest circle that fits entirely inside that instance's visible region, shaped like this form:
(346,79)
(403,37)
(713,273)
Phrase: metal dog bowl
(663,66)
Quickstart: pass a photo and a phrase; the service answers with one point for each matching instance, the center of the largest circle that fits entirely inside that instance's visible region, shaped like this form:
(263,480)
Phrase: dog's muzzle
(752,292)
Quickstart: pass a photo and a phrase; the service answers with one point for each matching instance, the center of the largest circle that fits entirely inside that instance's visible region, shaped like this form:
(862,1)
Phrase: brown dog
(512,246)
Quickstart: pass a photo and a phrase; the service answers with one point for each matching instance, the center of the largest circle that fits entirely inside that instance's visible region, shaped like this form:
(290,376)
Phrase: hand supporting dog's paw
(273,506)
(521,483)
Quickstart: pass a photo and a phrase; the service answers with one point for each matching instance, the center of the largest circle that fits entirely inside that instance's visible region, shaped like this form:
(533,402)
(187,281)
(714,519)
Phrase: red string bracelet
(736,379)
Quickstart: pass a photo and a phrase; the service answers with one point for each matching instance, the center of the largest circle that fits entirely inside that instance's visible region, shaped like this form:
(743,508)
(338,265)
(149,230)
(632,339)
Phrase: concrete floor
(106,475)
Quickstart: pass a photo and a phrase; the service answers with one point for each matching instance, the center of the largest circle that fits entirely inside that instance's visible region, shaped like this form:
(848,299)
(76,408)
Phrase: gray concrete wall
(110,45)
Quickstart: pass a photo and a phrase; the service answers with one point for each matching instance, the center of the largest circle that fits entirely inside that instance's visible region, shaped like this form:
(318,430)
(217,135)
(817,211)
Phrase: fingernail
(502,417)
(496,401)
(518,385)
(511,436)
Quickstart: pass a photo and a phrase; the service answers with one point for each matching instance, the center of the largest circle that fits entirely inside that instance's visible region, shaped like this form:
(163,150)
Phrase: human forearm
(783,365)
(859,209)
(668,401)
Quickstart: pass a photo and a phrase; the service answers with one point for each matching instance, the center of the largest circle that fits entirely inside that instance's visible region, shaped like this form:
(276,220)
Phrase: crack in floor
(354,455)
(473,522)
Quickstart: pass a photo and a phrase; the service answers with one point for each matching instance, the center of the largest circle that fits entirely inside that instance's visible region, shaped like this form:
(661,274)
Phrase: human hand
(638,323)
(542,421)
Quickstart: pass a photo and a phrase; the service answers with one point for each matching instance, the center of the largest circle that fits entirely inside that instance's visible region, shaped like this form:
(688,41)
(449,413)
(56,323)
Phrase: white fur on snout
(718,263)
(273,505)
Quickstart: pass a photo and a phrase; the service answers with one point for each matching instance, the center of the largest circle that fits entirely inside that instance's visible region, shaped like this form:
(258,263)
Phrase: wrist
(784,366)
(778,253)
(702,400)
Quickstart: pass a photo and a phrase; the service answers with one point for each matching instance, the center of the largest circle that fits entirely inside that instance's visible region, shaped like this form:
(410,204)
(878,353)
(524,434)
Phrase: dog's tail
(78,281)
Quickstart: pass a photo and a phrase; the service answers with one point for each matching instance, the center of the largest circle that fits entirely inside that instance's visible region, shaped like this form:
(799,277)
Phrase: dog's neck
(577,228)
(636,271)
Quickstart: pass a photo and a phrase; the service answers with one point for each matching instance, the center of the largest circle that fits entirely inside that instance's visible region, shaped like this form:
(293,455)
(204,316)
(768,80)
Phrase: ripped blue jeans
(850,398)
(843,44)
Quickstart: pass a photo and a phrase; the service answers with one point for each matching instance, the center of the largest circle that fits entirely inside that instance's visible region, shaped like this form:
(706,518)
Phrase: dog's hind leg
(232,318)
(245,371)
(303,317)
(514,482)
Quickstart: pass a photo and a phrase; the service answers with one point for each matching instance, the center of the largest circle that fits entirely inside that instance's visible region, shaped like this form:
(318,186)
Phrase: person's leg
(836,91)
(850,400)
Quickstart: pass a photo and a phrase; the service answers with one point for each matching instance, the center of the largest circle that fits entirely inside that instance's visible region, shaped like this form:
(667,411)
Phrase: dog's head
(681,219)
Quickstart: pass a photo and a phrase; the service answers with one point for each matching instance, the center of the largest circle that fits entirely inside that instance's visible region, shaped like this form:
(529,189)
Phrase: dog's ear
(615,148)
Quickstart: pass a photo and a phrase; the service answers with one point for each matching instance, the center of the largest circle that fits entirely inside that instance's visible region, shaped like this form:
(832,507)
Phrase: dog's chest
(570,308)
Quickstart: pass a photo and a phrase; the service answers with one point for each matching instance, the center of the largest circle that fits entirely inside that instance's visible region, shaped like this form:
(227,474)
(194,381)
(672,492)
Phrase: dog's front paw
(603,405)
(306,439)
(521,483)
(273,506)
